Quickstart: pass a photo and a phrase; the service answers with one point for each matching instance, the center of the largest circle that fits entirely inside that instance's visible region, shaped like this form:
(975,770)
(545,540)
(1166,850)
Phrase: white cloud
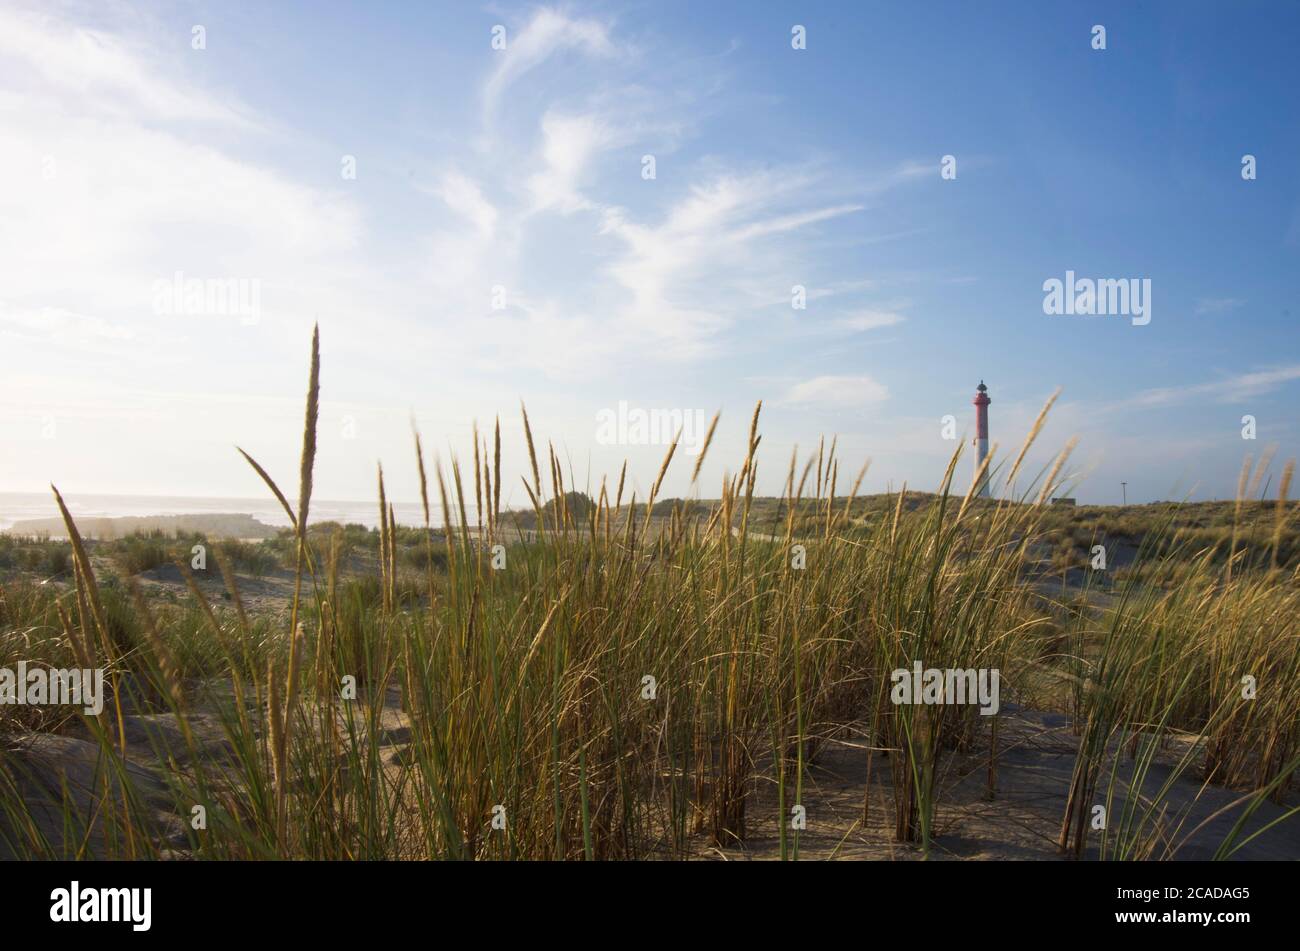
(667,291)
(61,326)
(66,65)
(1231,389)
(791,222)
(107,186)
(686,274)
(840,391)
(567,148)
(464,197)
(549,32)
(662,280)
(868,320)
(118,170)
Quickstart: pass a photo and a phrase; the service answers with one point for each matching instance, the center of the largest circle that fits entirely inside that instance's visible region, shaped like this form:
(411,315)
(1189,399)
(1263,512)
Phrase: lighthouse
(981,402)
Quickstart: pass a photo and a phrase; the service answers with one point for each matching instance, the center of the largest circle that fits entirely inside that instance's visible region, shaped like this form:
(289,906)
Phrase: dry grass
(621,686)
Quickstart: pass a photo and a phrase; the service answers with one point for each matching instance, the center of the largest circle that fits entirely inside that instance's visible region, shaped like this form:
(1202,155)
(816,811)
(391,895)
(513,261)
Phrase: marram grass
(637,669)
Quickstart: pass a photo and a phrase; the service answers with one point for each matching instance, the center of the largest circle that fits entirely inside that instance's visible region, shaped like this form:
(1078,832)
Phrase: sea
(20,506)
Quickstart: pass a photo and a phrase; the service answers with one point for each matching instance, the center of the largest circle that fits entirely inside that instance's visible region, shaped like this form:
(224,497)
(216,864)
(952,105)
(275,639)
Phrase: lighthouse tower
(982,402)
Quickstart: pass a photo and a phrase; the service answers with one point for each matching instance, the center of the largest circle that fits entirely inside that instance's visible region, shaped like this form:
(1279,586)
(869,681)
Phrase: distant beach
(20,507)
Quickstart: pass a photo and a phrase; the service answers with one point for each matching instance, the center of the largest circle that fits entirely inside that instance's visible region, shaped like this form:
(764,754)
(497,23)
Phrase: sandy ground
(1021,822)
(270,593)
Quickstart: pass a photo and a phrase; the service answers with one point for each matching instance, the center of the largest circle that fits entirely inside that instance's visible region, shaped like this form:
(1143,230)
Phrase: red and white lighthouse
(981,402)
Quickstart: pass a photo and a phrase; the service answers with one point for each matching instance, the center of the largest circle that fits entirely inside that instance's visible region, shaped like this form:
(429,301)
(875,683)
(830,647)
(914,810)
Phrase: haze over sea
(21,506)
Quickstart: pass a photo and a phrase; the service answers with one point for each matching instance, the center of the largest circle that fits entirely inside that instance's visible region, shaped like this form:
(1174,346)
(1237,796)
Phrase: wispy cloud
(837,391)
(463,196)
(118,170)
(1218,305)
(685,274)
(100,72)
(868,320)
(568,145)
(672,269)
(550,31)
(55,325)
(791,222)
(1230,389)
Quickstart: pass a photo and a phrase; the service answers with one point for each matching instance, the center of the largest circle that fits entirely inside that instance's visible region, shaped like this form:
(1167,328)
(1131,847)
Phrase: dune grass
(613,679)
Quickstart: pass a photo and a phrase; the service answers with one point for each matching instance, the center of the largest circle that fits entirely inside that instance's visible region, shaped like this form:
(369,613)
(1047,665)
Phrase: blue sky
(131,156)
